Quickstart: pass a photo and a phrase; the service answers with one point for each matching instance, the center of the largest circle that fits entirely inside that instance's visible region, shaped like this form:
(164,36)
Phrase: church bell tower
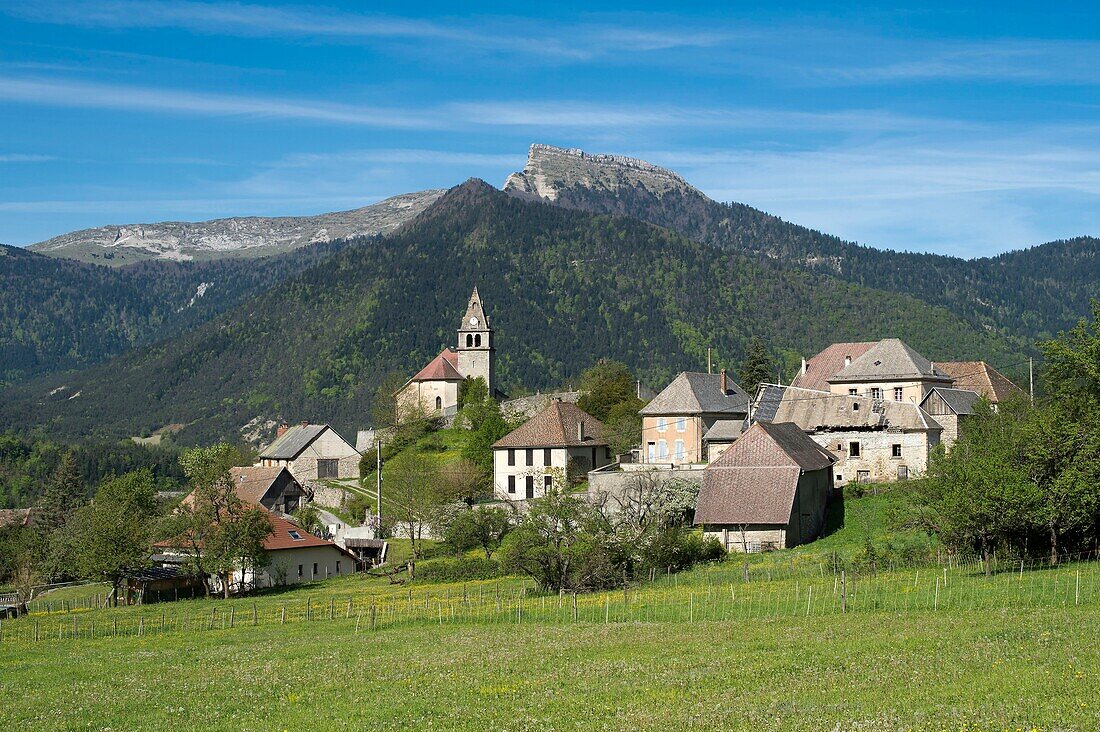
(475,343)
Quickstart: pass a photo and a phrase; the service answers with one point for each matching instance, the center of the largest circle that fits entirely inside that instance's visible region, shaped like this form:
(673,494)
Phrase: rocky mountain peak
(551,170)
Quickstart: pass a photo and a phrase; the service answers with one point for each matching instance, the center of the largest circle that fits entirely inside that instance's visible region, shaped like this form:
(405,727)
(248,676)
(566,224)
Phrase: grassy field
(792,646)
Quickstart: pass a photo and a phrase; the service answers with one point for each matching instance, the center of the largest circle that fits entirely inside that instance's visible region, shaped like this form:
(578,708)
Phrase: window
(337,566)
(477,341)
(681,424)
(839,478)
(662,449)
(863,476)
(651,451)
(607,453)
(853,448)
(546,456)
(511,484)
(895,450)
(299,571)
(678,446)
(903,472)
(315,569)
(469,341)
(328,468)
(898,391)
(853,392)
(876,393)
(547,483)
(662,424)
(530,455)
(855,406)
(511,456)
(295,535)
(530,486)
(439,402)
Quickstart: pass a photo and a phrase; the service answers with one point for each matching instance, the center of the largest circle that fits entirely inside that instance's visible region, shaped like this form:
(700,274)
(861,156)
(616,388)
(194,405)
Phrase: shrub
(458,569)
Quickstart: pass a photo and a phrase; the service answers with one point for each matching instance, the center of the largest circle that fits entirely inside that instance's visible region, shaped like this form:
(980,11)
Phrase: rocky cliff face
(552,171)
(234,237)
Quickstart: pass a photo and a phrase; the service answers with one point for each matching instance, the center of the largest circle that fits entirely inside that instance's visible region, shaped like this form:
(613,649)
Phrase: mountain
(1022,296)
(249,236)
(58,314)
(563,288)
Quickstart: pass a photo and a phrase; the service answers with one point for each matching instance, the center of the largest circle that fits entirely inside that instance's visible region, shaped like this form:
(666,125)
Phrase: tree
(624,425)
(111,535)
(309,518)
(416,496)
(1072,371)
(384,402)
(463,479)
(605,385)
(479,443)
(757,367)
(472,391)
(223,533)
(61,498)
(478,528)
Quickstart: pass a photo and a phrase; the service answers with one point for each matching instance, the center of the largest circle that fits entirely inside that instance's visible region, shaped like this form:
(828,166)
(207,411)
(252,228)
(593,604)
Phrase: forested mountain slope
(58,314)
(562,288)
(1024,295)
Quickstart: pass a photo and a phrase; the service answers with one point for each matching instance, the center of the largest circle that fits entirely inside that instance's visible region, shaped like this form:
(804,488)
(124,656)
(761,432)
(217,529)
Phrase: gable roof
(889,359)
(813,411)
(249,483)
(555,426)
(726,430)
(281,536)
(443,367)
(959,401)
(697,393)
(825,365)
(290,444)
(982,378)
(755,480)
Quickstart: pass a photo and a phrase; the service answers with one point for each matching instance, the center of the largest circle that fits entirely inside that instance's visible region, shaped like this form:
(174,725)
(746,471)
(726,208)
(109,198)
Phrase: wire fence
(721,593)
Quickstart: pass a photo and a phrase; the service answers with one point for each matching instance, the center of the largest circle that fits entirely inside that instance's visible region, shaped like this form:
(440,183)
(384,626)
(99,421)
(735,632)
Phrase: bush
(458,569)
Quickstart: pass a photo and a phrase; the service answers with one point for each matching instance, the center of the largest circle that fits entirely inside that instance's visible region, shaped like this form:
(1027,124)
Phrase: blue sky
(930,127)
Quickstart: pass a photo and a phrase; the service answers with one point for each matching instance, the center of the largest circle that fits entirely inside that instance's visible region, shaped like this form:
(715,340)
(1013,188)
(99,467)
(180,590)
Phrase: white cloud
(25,158)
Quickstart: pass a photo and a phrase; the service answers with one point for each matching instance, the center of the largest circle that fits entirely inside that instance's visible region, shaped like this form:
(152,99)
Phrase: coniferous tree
(757,367)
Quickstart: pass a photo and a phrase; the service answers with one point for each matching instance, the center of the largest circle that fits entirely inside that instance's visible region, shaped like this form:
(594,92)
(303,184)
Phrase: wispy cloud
(24,158)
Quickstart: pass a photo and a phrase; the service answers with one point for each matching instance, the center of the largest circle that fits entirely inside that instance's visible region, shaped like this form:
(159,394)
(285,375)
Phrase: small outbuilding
(767,490)
(312,452)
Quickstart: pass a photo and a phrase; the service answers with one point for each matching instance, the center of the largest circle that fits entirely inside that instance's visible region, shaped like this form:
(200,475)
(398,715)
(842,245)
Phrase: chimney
(305,423)
(580,430)
(281,430)
(722,375)
(803,372)
(847,361)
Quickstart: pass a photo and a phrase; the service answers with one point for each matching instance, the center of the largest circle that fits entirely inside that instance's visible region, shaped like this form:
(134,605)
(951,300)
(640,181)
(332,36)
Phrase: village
(750,470)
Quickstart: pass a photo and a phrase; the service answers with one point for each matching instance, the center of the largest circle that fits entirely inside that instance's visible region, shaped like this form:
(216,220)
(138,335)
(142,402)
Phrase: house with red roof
(434,388)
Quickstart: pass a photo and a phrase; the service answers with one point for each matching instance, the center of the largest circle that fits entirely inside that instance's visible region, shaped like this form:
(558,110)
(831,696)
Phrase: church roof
(443,367)
(474,310)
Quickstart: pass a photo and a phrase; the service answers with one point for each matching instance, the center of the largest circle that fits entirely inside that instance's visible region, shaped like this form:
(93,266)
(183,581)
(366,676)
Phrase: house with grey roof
(952,408)
(560,442)
(768,490)
(873,440)
(889,370)
(311,452)
(676,422)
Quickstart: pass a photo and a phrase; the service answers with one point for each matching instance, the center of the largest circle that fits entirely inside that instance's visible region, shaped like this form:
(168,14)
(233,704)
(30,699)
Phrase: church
(435,387)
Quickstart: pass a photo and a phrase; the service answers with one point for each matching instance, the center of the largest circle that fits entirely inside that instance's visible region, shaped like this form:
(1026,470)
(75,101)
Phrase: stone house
(887,369)
(768,490)
(676,422)
(311,452)
(874,440)
(951,408)
(561,441)
(434,389)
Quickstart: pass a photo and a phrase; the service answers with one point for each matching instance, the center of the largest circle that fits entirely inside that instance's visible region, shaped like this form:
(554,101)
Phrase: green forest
(563,288)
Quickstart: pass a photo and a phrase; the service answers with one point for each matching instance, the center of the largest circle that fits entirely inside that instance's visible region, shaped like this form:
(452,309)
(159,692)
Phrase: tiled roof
(250,484)
(959,401)
(698,393)
(555,426)
(282,536)
(755,480)
(980,377)
(823,366)
(815,410)
(443,367)
(889,359)
(291,443)
(725,430)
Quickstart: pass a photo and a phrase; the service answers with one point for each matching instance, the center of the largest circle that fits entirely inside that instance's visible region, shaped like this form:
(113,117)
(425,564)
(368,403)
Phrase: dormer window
(296,536)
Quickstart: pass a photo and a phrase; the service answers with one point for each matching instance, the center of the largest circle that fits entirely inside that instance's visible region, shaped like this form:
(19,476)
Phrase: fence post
(372,624)
(1077,590)
(574,606)
(357,619)
(843,592)
(232,614)
(254,612)
(331,601)
(349,608)
(35,631)
(282,620)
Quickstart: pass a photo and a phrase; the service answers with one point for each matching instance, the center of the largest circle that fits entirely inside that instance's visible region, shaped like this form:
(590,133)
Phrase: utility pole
(378,486)
(1031,378)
